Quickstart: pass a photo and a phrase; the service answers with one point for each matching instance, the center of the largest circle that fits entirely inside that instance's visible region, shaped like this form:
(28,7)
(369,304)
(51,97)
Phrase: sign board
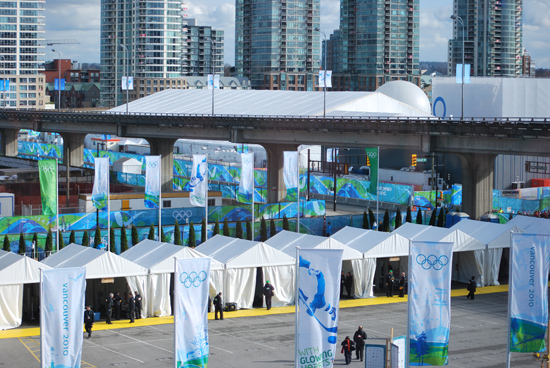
(108,280)
(422,160)
(375,356)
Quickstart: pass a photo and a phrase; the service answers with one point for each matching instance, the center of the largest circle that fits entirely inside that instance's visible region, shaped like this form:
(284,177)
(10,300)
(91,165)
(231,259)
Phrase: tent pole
(296,306)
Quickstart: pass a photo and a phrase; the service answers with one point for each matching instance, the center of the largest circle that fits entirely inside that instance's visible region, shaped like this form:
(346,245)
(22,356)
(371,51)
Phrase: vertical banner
(318,302)
(246,186)
(429,302)
(61,316)
(198,185)
(459,73)
(290,174)
(213,81)
(101,183)
(152,182)
(528,313)
(328,79)
(372,153)
(191,312)
(47,171)
(467,78)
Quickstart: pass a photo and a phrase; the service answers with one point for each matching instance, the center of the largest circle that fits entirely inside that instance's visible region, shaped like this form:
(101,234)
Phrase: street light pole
(59,80)
(212,70)
(126,59)
(456,17)
(324,72)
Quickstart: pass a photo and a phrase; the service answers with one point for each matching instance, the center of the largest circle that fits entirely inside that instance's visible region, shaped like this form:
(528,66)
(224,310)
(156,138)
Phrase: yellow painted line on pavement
(33,346)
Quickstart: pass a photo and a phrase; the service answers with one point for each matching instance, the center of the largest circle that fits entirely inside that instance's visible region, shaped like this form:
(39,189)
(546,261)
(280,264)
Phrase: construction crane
(62,42)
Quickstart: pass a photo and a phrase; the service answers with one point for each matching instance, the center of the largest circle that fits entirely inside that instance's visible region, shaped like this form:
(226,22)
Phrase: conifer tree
(272,228)
(441,218)
(61,241)
(386,226)
(408,218)
(419,216)
(112,240)
(7,246)
(162,236)
(177,233)
(72,239)
(372,219)
(225,227)
(365,220)
(97,238)
(216,228)
(123,239)
(22,245)
(192,237)
(151,235)
(398,218)
(135,235)
(203,230)
(286,225)
(35,242)
(85,239)
(49,242)
(263,230)
(239,229)
(248,229)
(433,217)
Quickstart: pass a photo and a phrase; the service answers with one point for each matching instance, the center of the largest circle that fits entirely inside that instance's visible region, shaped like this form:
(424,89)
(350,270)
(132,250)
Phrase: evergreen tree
(72,239)
(162,236)
(272,228)
(248,229)
(49,242)
(419,216)
(263,230)
(7,246)
(22,245)
(135,235)
(177,233)
(441,218)
(398,218)
(225,227)
(192,238)
(433,217)
(85,239)
(97,238)
(203,230)
(386,226)
(151,235)
(286,225)
(35,242)
(112,240)
(216,228)
(372,219)
(61,241)
(239,229)
(408,218)
(123,240)
(365,220)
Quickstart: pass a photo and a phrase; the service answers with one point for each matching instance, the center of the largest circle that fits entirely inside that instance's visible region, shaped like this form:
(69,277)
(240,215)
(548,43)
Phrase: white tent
(127,165)
(15,271)
(158,258)
(106,267)
(241,259)
(531,225)
(287,241)
(495,238)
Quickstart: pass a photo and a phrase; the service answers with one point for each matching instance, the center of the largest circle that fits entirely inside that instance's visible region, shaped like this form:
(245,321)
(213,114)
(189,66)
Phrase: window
(166,204)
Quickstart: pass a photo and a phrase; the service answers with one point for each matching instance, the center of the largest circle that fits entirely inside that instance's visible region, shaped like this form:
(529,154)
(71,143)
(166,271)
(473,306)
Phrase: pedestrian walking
(269,291)
(218,306)
(389,284)
(359,338)
(109,308)
(131,307)
(472,286)
(348,347)
(137,297)
(402,282)
(89,318)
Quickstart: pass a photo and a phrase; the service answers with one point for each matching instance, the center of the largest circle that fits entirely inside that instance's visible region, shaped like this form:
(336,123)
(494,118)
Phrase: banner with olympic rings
(152,181)
(429,319)
(290,174)
(246,187)
(100,189)
(192,280)
(528,313)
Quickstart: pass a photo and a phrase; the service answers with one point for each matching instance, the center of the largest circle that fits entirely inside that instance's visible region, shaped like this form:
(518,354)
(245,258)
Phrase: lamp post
(456,17)
(324,72)
(212,70)
(127,74)
(58,80)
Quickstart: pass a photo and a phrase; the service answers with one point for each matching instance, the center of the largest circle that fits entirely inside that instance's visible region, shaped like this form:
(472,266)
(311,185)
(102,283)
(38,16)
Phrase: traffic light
(368,161)
(413,159)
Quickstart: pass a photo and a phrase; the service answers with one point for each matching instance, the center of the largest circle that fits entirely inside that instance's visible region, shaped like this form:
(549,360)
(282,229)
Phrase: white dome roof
(407,93)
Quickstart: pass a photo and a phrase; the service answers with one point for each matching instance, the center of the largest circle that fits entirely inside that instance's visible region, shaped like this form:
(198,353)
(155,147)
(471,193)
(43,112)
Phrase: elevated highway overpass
(476,141)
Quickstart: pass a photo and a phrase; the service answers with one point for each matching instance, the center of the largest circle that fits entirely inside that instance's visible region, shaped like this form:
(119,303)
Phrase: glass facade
(276,36)
(493,37)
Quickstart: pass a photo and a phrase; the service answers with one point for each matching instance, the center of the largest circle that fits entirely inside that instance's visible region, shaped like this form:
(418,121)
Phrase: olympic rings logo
(432,261)
(372,154)
(152,164)
(192,279)
(246,160)
(47,169)
(182,215)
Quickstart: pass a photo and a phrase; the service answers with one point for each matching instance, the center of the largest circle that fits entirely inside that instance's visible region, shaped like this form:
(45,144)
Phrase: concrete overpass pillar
(73,147)
(477,183)
(275,161)
(164,148)
(9,142)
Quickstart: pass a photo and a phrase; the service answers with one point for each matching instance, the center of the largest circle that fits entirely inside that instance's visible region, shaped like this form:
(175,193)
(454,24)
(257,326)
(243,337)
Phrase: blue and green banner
(372,154)
(246,187)
(429,319)
(198,185)
(47,172)
(101,184)
(528,314)
(290,174)
(152,181)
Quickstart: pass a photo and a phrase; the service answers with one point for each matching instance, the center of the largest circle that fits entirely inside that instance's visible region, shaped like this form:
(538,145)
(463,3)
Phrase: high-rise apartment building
(150,40)
(275,39)
(22,47)
(493,37)
(204,50)
(377,42)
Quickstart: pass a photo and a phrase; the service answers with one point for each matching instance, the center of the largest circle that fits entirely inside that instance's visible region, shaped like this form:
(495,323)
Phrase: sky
(80,20)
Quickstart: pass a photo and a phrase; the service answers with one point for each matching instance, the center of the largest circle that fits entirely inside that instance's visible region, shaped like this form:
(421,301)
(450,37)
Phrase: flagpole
(296,306)
(408,337)
(206,202)
(510,288)
(252,230)
(298,190)
(41,315)
(175,321)
(377,185)
(108,210)
(160,198)
(57,200)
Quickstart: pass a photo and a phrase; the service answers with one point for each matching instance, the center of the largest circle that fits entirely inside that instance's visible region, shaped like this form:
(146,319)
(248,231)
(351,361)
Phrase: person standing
(359,338)
(118,304)
(137,298)
(342,284)
(329,229)
(269,291)
(218,306)
(389,284)
(347,347)
(402,282)
(472,286)
(109,308)
(349,284)
(89,319)
(131,307)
